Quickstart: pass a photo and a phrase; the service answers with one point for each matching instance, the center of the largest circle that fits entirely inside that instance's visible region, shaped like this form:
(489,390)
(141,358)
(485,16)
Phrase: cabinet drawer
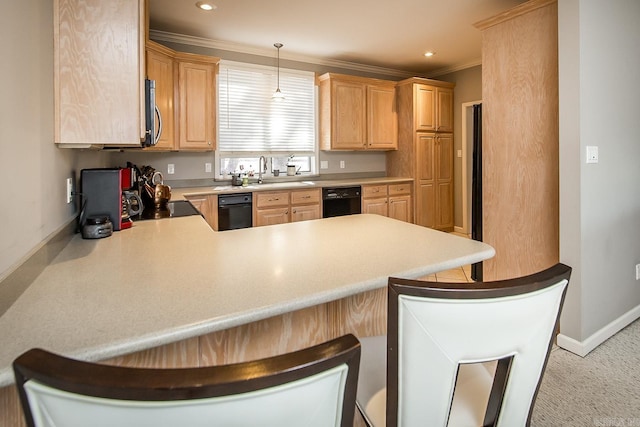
(280,198)
(374,191)
(395,189)
(305,196)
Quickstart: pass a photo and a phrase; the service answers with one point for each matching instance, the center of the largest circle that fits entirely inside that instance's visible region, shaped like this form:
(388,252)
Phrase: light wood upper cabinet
(425,107)
(444,109)
(185,96)
(433,107)
(99,72)
(348,116)
(160,67)
(196,85)
(382,122)
(357,113)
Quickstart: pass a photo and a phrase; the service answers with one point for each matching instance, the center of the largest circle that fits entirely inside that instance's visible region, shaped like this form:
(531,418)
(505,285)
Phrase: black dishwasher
(338,201)
(234,211)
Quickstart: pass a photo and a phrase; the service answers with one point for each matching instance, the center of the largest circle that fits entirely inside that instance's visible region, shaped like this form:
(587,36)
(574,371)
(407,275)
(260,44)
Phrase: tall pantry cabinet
(425,149)
(520,142)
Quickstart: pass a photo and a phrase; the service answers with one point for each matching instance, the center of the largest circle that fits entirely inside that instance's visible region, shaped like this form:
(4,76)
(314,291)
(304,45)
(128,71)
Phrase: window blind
(249,120)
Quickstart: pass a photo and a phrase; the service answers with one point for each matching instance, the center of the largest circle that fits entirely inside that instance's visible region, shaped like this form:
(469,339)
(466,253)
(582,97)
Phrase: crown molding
(252,50)
(447,70)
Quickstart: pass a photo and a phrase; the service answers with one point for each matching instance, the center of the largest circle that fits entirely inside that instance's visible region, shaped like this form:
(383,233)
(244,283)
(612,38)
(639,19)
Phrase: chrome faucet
(262,167)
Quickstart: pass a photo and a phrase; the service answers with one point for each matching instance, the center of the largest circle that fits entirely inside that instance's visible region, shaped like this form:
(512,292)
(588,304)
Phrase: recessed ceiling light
(429,54)
(206,6)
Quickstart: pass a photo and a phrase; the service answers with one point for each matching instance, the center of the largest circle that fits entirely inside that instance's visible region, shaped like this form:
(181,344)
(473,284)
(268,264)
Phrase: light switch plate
(592,154)
(171,169)
(324,164)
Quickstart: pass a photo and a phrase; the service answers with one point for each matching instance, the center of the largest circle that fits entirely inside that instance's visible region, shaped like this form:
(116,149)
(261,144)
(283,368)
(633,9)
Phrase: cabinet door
(425,204)
(305,212)
(197,105)
(382,120)
(444,182)
(271,216)
(425,151)
(425,107)
(160,67)
(99,72)
(377,206)
(444,110)
(400,207)
(349,115)
(425,194)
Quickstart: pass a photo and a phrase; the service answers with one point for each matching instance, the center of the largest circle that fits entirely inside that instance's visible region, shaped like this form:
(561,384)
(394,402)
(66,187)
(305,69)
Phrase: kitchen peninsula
(177,281)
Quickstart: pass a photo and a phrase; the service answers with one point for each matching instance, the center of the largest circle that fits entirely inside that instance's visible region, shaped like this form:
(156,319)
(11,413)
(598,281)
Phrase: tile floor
(457,275)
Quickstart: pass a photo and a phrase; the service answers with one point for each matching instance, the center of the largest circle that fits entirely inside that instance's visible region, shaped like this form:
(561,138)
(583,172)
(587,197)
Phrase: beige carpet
(601,389)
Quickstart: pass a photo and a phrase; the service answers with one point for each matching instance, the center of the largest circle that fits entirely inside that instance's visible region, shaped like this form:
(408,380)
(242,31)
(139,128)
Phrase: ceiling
(389,35)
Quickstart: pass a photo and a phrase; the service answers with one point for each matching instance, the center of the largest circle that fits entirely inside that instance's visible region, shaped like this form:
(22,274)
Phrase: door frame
(467,141)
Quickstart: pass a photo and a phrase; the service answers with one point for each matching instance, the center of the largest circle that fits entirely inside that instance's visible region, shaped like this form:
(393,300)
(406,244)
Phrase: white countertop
(297,184)
(166,280)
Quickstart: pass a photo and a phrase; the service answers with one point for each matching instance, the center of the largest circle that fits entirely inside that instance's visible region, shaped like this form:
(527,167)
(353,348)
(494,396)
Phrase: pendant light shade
(278,96)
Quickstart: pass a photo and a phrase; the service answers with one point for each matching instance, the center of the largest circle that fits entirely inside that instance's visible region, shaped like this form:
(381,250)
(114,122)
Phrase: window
(251,124)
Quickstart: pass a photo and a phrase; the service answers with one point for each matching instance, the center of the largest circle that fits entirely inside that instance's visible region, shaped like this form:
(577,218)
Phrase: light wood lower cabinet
(279,207)
(270,208)
(393,200)
(400,206)
(208,207)
(434,195)
(375,200)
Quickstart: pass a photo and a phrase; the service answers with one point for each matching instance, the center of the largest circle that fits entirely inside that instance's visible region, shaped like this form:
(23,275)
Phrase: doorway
(467,164)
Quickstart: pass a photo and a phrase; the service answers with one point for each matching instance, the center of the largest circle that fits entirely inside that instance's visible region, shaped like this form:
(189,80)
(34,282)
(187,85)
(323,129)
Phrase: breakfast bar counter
(174,279)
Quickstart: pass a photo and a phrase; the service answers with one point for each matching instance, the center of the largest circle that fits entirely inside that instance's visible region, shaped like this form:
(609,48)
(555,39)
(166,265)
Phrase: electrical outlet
(341,164)
(69,190)
(592,154)
(171,168)
(207,167)
(637,271)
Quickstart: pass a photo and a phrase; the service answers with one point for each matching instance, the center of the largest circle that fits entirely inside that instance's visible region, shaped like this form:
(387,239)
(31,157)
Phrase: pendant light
(278,96)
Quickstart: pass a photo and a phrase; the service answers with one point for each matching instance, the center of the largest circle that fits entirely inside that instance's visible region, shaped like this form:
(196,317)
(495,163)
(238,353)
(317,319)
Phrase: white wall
(599,203)
(33,169)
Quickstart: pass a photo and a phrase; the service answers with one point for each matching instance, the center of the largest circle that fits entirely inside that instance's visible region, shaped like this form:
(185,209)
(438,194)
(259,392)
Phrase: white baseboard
(582,348)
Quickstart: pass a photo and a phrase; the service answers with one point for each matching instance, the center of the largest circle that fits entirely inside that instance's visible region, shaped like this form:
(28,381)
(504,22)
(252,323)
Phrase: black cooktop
(173,209)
